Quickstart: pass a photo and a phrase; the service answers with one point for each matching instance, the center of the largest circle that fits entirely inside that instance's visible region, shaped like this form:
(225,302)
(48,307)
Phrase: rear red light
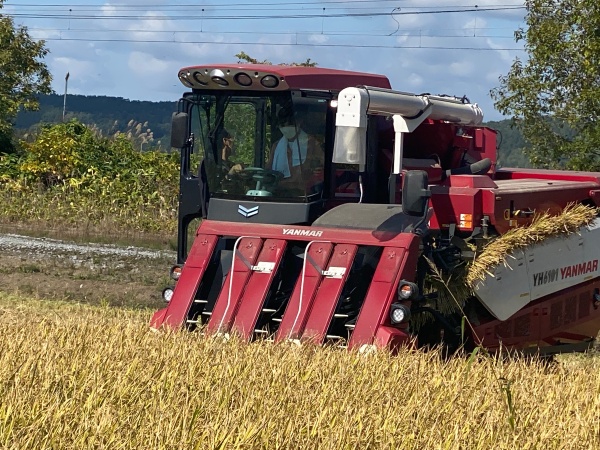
(175,272)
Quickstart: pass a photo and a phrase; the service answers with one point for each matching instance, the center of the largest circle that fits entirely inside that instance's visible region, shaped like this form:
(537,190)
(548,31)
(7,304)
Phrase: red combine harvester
(324,205)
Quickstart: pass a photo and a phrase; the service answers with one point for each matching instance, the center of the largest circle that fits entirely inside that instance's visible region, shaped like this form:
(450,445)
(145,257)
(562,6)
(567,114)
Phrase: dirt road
(89,273)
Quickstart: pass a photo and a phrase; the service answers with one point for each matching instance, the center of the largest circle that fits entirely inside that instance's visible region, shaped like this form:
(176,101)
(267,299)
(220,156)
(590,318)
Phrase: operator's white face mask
(289,132)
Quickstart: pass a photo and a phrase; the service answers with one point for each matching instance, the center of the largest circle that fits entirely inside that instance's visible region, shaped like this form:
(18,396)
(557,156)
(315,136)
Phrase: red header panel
(304,233)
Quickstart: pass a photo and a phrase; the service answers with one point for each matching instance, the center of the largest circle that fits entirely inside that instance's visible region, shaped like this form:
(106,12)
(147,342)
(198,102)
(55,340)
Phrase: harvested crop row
(75,377)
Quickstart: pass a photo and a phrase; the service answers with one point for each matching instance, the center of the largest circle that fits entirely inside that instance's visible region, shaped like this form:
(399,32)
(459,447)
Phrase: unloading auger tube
(355,104)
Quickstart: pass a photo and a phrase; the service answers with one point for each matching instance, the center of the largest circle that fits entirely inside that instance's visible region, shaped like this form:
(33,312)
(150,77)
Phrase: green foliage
(71,175)
(6,143)
(237,121)
(23,74)
(243,57)
(554,96)
(9,167)
(60,153)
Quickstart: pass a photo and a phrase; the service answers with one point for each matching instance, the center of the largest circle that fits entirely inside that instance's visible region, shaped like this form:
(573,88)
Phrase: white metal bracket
(264,267)
(406,125)
(334,272)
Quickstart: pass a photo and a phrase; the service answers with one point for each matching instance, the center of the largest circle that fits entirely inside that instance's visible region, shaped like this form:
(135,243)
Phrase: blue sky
(133,49)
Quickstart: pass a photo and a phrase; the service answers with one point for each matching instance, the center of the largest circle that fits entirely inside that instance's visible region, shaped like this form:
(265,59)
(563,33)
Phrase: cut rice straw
(544,226)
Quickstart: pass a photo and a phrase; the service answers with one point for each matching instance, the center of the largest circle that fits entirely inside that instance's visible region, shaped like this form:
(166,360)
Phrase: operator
(227,152)
(297,155)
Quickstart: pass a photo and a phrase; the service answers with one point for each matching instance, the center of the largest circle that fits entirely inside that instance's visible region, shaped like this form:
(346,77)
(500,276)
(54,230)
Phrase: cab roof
(262,76)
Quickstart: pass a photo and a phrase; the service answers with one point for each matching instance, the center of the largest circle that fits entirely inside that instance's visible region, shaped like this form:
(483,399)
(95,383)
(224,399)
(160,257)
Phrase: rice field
(77,376)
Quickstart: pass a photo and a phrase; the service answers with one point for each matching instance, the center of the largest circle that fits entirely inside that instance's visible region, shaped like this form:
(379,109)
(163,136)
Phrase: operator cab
(258,145)
(259,156)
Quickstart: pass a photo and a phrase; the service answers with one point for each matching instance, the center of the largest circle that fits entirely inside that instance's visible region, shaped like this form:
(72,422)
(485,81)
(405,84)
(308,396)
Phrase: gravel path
(83,272)
(54,247)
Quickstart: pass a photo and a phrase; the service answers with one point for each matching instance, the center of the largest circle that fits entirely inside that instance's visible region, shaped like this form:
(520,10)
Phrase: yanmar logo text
(297,232)
(574,270)
(579,269)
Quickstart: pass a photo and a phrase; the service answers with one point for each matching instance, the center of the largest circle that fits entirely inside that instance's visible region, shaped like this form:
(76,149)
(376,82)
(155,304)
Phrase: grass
(73,213)
(75,377)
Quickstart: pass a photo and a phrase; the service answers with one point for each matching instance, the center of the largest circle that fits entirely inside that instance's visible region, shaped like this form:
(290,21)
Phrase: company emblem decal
(297,232)
(562,273)
(247,212)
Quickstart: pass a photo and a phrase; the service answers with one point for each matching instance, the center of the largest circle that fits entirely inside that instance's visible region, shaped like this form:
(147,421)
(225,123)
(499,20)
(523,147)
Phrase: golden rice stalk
(75,377)
(544,226)
(452,294)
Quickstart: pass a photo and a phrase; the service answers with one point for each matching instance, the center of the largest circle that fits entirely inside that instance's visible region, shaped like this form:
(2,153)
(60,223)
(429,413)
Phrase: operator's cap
(286,115)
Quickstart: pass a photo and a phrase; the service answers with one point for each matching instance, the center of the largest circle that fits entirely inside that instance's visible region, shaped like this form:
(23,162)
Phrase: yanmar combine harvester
(331,207)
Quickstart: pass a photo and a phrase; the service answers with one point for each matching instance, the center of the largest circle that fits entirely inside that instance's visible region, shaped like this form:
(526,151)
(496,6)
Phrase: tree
(244,57)
(23,73)
(554,95)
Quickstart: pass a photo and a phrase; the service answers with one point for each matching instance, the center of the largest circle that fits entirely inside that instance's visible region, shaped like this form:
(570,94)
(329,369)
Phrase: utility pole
(65,100)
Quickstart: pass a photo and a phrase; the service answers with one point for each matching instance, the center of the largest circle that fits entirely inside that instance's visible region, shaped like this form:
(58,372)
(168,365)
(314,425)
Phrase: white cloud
(463,68)
(403,38)
(147,64)
(318,38)
(76,67)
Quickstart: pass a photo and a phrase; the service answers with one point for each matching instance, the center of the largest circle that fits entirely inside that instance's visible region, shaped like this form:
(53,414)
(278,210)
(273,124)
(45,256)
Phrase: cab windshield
(258,145)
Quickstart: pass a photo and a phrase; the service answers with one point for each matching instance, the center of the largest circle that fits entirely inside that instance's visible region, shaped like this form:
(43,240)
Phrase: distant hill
(111,114)
(510,144)
(107,114)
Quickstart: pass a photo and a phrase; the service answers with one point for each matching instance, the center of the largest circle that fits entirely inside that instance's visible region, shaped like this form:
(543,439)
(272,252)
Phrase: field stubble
(76,376)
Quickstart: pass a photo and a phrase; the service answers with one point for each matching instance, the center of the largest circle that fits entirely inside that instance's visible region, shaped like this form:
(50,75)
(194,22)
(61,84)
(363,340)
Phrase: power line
(402,32)
(256,6)
(296,34)
(264,17)
(353,45)
(217,5)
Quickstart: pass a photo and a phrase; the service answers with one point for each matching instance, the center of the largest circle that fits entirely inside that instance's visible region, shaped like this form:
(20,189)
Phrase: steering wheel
(260,175)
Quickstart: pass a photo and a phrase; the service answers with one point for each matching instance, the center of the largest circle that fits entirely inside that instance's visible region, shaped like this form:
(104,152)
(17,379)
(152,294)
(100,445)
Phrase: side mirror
(415,193)
(180,131)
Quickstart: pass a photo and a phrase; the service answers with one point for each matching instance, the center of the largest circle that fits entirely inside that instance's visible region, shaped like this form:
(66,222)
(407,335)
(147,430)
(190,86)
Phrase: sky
(134,49)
